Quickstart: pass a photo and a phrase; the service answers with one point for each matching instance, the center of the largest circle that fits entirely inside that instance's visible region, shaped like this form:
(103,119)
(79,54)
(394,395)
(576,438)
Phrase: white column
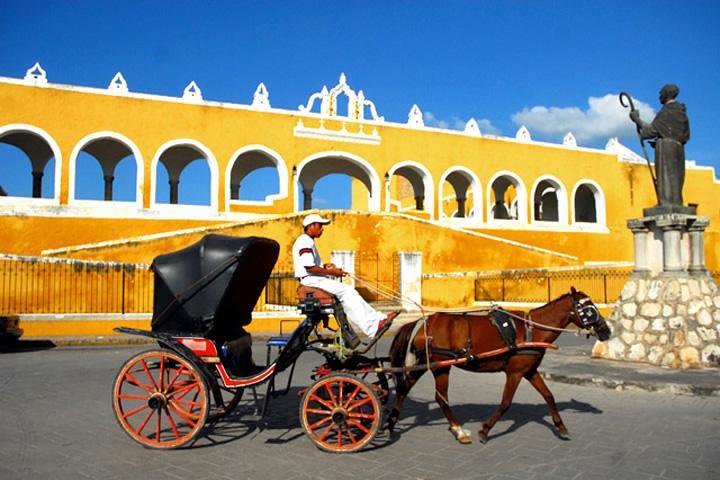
(640,234)
(345,259)
(410,279)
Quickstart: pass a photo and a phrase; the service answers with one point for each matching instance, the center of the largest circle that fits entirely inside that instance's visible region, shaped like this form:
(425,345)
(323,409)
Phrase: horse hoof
(564,436)
(461,435)
(482,437)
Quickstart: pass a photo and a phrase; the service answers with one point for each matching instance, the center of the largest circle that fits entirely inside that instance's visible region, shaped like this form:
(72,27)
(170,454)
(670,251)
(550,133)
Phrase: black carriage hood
(211,287)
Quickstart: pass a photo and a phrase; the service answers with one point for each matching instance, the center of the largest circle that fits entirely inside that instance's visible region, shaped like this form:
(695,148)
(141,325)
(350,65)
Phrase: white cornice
(295,113)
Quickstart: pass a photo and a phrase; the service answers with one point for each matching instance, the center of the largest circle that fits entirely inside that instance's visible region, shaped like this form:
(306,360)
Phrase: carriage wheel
(160,399)
(340,413)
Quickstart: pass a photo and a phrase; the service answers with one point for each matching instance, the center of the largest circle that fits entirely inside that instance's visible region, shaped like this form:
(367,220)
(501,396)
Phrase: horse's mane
(553,302)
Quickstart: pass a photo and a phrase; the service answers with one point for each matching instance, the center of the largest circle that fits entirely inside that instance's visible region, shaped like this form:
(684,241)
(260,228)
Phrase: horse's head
(586,315)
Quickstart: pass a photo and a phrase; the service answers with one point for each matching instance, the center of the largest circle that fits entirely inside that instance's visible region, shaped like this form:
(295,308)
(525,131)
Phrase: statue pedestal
(668,313)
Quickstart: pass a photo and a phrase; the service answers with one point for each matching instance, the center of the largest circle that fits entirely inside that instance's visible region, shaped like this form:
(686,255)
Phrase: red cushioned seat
(324,297)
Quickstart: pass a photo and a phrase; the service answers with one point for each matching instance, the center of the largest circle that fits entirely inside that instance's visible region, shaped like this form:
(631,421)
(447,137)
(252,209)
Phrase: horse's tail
(399,350)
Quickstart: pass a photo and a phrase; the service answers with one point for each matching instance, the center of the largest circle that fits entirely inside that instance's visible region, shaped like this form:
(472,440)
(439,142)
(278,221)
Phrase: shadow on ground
(26,346)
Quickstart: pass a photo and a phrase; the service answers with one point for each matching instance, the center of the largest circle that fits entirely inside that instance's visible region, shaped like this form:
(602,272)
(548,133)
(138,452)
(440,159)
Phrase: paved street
(56,421)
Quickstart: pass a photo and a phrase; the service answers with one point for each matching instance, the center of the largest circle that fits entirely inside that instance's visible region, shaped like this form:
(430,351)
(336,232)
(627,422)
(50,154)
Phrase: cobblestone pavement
(56,421)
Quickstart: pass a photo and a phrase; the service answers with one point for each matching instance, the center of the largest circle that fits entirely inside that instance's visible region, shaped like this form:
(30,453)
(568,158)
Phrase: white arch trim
(600,206)
(280,166)
(522,200)
(429,202)
(374,194)
(474,186)
(562,198)
(24,127)
(209,157)
(139,164)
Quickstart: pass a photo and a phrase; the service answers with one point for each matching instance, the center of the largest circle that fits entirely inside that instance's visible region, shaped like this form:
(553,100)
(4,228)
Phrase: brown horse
(473,342)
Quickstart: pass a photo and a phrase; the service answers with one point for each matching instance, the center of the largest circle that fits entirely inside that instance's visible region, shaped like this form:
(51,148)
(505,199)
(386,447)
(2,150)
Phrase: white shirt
(305,254)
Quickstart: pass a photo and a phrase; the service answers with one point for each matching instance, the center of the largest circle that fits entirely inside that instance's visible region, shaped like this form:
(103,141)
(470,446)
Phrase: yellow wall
(444,250)
(69,115)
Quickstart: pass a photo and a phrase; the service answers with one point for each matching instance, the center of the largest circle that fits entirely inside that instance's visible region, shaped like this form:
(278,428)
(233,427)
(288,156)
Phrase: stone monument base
(667,321)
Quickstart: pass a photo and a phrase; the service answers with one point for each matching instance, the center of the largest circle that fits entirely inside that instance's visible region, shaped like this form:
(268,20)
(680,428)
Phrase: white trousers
(362,315)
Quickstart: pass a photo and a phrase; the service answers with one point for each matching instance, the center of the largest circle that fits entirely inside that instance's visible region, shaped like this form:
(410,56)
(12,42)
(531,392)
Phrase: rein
(531,323)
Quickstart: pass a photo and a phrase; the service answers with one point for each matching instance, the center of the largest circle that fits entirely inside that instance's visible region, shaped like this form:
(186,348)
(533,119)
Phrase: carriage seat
(315,301)
(326,299)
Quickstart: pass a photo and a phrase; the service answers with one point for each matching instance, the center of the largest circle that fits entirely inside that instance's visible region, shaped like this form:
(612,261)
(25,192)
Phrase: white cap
(315,218)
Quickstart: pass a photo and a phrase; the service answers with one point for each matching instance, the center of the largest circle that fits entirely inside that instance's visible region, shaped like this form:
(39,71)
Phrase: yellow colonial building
(467,201)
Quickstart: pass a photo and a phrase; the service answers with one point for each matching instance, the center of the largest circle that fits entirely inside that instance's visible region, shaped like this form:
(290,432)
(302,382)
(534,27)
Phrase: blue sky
(551,65)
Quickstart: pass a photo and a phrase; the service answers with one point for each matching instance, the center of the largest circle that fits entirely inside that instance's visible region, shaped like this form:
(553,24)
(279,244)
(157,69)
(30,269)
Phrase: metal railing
(36,285)
(533,286)
(378,272)
(281,289)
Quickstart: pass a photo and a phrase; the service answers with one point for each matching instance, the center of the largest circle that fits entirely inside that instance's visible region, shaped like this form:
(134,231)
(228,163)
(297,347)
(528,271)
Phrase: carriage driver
(311,272)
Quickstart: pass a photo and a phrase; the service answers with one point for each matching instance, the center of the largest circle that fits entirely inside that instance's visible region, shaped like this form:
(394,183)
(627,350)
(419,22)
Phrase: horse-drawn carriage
(203,297)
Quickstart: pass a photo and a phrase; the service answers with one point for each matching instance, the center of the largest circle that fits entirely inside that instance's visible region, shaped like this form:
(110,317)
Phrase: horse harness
(502,320)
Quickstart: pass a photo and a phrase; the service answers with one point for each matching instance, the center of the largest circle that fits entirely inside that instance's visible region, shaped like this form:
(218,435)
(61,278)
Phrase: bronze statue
(670,130)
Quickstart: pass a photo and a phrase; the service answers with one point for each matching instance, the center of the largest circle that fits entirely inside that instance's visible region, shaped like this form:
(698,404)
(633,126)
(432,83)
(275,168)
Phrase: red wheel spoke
(189,417)
(322,402)
(172,423)
(359,403)
(179,372)
(319,423)
(126,396)
(185,390)
(332,398)
(351,436)
(367,416)
(349,399)
(359,425)
(159,427)
(319,412)
(134,381)
(133,412)
(147,371)
(162,372)
(187,403)
(145,422)
(339,436)
(327,432)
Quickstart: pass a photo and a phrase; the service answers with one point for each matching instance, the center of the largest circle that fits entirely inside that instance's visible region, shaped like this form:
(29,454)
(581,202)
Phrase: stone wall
(667,321)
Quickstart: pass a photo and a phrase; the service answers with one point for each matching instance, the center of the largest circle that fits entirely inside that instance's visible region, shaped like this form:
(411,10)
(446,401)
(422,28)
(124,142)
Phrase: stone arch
(588,199)
(318,165)
(40,148)
(464,182)
(109,149)
(549,202)
(506,198)
(184,151)
(420,181)
(255,157)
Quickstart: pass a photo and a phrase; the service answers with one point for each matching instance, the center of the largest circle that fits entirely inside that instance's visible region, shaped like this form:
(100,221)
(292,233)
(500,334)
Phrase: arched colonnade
(408,186)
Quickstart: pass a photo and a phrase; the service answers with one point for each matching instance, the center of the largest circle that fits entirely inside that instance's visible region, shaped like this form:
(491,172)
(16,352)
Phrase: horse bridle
(586,312)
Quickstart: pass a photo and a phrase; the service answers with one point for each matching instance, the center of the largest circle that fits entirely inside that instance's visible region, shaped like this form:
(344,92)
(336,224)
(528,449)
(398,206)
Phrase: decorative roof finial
(523,134)
(118,84)
(472,128)
(415,117)
(261,97)
(192,92)
(569,140)
(35,75)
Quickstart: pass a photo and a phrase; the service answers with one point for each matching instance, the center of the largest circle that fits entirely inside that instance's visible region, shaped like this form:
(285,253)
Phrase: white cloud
(457,123)
(604,118)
